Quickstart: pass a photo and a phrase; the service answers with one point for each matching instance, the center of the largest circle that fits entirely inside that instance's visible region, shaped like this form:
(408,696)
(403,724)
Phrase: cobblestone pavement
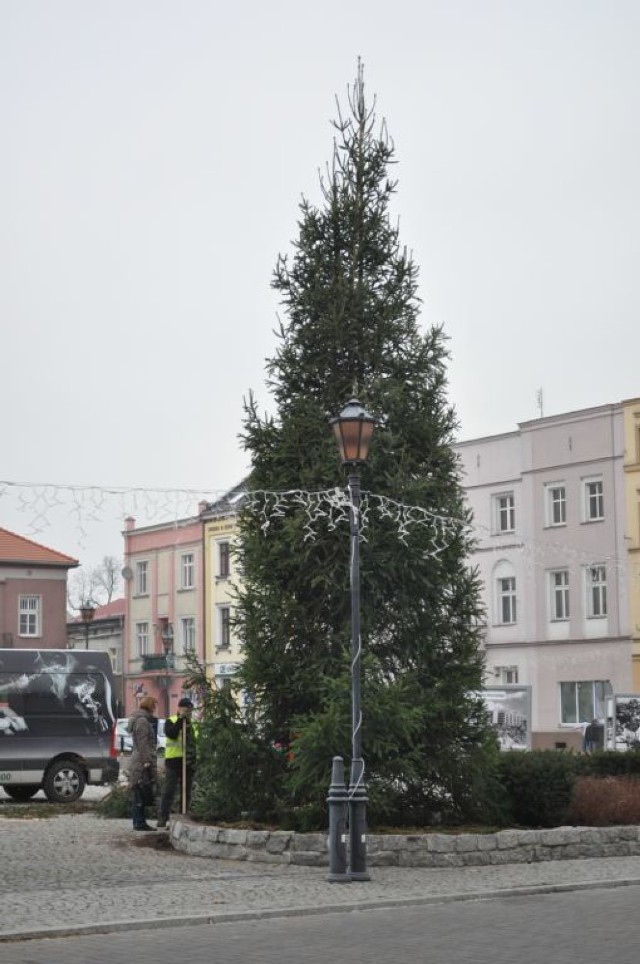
(79,873)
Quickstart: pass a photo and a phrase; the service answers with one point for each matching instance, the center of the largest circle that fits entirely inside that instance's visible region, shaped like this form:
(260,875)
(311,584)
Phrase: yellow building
(631,409)
(223,649)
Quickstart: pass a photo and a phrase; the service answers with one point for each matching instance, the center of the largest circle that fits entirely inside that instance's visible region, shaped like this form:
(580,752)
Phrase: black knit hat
(185,701)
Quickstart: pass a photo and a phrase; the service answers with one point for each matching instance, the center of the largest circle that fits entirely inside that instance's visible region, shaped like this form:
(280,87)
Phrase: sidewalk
(82,874)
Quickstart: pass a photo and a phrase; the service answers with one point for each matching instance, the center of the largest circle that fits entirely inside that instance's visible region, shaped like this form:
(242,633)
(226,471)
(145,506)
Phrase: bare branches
(96,586)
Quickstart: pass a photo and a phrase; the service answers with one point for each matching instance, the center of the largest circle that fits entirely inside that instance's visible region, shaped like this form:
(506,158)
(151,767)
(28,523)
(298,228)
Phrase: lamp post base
(358,823)
(337,800)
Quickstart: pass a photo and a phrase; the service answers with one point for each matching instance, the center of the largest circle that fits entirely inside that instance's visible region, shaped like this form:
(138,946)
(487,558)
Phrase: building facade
(631,414)
(33,594)
(223,647)
(550,519)
(163,574)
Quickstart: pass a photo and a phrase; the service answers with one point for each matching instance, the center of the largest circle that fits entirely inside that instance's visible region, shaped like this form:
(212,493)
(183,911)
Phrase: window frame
(559,592)
(507,675)
(552,503)
(597,706)
(507,600)
(596,603)
(188,634)
(142,577)
(188,570)
(505,512)
(224,627)
(29,614)
(142,638)
(224,559)
(588,498)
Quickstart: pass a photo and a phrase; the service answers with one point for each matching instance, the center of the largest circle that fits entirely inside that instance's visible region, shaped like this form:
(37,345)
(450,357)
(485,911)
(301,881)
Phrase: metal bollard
(337,800)
(358,823)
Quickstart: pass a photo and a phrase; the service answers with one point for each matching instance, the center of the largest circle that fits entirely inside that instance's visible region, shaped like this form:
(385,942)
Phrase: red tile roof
(116,607)
(17,549)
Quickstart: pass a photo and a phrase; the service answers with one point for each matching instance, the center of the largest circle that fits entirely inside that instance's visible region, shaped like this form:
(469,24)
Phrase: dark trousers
(137,808)
(173,780)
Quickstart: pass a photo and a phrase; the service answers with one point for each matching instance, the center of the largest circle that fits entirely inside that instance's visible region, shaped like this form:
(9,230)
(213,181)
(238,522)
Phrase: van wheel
(21,792)
(64,782)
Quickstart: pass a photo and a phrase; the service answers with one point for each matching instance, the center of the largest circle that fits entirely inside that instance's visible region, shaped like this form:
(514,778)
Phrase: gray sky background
(154,154)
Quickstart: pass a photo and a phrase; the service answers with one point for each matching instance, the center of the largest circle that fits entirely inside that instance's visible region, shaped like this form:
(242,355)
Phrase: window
(596,584)
(593,500)
(507,675)
(559,594)
(29,615)
(142,578)
(556,505)
(505,512)
(187,571)
(224,559)
(225,627)
(188,634)
(507,600)
(142,638)
(583,701)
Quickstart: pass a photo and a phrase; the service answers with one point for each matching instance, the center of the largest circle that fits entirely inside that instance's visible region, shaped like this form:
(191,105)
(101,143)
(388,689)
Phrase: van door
(12,729)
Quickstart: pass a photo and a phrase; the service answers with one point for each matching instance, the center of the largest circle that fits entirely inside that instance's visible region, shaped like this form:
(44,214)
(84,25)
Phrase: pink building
(33,594)
(163,609)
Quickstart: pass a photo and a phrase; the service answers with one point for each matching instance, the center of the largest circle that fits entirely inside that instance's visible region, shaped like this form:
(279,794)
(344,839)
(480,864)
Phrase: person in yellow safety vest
(176,728)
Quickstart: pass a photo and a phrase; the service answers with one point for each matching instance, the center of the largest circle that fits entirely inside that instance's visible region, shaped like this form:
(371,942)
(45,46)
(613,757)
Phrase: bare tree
(94,587)
(107,577)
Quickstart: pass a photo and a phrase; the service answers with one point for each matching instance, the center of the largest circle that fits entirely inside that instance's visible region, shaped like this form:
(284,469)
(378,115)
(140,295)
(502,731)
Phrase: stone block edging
(408,850)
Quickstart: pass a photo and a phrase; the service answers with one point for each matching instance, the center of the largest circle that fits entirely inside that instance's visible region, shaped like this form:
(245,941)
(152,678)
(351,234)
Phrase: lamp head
(353,429)
(87,612)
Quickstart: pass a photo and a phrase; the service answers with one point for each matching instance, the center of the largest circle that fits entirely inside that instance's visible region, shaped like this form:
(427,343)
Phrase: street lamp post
(167,645)
(87,612)
(353,429)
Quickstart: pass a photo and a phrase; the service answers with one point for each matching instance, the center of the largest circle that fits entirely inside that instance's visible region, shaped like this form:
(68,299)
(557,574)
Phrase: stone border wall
(410,850)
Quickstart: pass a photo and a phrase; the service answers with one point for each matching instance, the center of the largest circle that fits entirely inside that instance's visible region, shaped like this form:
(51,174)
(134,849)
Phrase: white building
(549,516)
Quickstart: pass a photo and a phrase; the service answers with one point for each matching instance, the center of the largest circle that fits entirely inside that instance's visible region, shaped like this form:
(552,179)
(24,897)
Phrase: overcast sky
(153,156)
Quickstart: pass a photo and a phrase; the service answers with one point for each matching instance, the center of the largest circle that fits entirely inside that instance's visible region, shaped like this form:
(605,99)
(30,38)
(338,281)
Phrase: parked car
(123,737)
(162,740)
(125,740)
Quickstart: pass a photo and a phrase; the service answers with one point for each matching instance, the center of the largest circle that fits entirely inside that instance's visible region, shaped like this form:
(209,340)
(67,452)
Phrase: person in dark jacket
(593,737)
(181,742)
(143,727)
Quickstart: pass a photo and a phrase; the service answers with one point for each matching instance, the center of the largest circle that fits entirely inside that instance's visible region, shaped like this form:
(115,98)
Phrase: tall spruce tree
(349,296)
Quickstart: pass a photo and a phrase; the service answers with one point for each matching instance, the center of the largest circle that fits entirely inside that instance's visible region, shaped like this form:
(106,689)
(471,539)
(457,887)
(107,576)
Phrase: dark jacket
(144,755)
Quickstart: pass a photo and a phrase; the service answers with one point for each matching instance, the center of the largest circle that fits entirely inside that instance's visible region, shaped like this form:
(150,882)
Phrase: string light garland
(91,504)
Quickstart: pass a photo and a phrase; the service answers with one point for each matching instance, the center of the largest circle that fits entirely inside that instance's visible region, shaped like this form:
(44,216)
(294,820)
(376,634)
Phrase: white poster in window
(622,726)
(509,709)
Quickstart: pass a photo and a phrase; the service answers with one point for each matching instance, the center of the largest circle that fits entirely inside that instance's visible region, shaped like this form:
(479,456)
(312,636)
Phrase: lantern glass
(86,613)
(353,429)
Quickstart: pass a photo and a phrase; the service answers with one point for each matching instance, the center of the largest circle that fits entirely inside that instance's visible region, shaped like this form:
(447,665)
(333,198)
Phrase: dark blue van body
(57,722)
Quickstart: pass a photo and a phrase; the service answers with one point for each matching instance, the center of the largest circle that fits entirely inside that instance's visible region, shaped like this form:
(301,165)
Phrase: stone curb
(431,849)
(44,933)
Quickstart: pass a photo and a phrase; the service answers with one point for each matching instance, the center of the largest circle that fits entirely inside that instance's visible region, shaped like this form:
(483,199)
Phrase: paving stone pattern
(81,873)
